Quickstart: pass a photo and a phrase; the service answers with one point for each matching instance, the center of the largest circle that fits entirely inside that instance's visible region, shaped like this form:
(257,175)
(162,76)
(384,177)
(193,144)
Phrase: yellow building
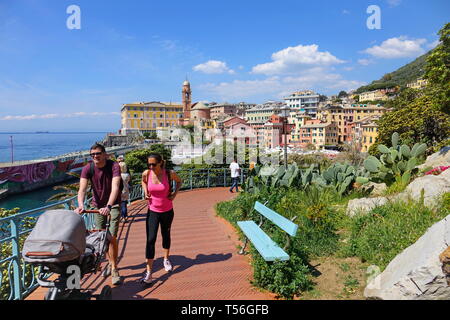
(418,84)
(319,134)
(366,131)
(373,96)
(345,115)
(298,119)
(150,116)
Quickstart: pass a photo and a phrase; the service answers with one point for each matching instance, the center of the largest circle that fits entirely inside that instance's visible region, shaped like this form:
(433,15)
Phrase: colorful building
(366,132)
(374,95)
(276,130)
(318,133)
(307,101)
(345,115)
(418,84)
(149,116)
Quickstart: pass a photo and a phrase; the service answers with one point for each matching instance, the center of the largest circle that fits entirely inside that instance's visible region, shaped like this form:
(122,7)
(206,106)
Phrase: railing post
(208,178)
(190,171)
(17,284)
(224,177)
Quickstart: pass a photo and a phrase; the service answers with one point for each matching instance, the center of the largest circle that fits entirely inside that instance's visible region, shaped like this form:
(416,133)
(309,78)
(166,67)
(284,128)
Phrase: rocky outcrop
(440,158)
(444,257)
(364,205)
(433,186)
(417,272)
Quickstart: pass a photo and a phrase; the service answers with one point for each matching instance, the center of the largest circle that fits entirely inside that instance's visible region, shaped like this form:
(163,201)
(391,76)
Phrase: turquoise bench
(268,249)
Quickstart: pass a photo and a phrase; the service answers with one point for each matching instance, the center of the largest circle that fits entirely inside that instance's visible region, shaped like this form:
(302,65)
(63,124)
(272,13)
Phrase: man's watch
(109,207)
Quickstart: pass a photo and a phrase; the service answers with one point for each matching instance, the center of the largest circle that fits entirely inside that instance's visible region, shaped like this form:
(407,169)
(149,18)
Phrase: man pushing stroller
(106,184)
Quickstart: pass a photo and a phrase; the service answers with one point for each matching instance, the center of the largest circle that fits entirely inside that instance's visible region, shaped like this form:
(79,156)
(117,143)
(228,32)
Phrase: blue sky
(57,79)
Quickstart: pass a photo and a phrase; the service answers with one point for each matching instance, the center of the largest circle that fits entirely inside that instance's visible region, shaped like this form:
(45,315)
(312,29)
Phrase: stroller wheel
(106,293)
(49,294)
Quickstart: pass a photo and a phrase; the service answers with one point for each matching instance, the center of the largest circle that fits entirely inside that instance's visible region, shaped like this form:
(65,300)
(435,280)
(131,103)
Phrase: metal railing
(18,279)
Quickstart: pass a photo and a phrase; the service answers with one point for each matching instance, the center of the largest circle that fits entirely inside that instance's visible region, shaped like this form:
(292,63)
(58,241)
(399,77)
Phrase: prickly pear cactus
(397,163)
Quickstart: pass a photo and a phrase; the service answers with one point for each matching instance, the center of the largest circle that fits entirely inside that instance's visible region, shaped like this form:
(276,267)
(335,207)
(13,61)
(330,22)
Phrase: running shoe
(147,278)
(167,265)
(115,278)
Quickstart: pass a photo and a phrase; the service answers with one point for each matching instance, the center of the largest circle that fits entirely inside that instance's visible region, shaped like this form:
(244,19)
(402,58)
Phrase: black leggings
(154,219)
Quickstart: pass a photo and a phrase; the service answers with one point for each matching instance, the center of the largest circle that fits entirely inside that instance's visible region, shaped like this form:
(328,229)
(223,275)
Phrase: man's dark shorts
(100,221)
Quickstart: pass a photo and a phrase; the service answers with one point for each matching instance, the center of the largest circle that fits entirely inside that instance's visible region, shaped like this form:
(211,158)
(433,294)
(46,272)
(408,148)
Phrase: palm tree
(68,191)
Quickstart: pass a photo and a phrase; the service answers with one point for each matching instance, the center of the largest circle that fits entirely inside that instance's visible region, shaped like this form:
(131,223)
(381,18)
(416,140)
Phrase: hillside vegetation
(401,76)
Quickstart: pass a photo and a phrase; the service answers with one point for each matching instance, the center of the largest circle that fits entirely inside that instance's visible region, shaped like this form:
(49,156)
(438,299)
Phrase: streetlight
(285,114)
(12,149)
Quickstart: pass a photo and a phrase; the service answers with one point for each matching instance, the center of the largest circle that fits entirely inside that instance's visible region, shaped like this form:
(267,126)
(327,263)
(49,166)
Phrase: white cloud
(400,47)
(213,67)
(433,44)
(55,115)
(393,3)
(345,11)
(279,87)
(365,62)
(291,59)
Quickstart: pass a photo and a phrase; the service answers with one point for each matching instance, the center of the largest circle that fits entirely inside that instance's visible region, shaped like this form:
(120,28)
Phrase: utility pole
(12,148)
(285,143)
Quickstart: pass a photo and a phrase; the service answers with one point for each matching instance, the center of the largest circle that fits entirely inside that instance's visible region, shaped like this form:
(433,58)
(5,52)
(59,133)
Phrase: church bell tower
(187,99)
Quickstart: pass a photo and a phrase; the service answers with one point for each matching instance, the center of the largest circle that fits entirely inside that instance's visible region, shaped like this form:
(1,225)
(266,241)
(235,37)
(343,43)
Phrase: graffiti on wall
(36,172)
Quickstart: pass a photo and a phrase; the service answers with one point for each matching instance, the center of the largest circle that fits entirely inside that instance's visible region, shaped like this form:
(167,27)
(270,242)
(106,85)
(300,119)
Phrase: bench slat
(280,221)
(268,249)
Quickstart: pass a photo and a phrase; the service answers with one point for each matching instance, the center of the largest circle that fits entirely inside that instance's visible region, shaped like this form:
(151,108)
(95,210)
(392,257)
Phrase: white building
(307,101)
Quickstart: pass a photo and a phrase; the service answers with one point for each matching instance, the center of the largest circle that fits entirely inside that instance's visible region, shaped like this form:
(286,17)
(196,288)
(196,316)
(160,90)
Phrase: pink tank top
(159,193)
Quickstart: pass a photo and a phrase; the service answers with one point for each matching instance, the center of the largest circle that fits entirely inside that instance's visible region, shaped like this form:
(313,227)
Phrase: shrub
(383,233)
(137,160)
(6,251)
(316,235)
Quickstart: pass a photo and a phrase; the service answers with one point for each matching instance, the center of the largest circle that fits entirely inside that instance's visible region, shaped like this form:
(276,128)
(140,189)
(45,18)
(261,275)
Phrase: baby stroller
(60,243)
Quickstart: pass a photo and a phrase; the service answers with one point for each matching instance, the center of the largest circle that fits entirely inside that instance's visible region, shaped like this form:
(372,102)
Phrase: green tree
(437,71)
(150,135)
(342,94)
(137,160)
(422,115)
(415,120)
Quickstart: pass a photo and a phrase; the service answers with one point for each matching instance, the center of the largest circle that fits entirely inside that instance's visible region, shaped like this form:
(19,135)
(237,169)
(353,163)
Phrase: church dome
(186,83)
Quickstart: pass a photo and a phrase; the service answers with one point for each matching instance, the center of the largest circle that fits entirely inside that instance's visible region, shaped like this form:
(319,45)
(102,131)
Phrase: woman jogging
(156,183)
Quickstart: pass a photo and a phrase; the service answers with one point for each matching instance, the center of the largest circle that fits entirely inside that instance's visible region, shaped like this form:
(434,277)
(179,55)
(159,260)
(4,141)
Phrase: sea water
(30,146)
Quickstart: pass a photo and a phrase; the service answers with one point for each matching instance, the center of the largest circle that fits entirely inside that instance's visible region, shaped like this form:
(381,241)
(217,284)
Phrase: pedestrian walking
(106,183)
(125,197)
(158,190)
(235,174)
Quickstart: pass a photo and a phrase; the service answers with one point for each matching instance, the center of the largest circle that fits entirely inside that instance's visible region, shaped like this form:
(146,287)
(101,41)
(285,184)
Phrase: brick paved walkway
(203,254)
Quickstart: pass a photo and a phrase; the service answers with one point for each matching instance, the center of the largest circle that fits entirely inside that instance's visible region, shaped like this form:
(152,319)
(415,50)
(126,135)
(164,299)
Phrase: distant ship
(42,132)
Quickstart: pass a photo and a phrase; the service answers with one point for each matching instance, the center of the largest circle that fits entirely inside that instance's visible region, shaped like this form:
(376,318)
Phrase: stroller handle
(91,211)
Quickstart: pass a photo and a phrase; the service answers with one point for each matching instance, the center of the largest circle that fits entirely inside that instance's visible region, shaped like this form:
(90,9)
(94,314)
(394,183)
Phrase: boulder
(433,187)
(440,158)
(364,205)
(417,272)
(378,188)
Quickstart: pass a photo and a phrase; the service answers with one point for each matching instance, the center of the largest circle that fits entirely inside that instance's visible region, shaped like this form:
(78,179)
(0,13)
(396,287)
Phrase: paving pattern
(204,256)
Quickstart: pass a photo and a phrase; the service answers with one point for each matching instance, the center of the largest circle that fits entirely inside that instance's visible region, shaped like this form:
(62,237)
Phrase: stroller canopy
(58,236)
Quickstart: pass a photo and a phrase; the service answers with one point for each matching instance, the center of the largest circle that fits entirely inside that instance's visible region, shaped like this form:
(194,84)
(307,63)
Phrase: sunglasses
(152,164)
(93,154)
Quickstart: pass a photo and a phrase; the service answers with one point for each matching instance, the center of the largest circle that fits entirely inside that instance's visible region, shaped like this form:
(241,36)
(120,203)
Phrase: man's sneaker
(147,278)
(115,277)
(167,265)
